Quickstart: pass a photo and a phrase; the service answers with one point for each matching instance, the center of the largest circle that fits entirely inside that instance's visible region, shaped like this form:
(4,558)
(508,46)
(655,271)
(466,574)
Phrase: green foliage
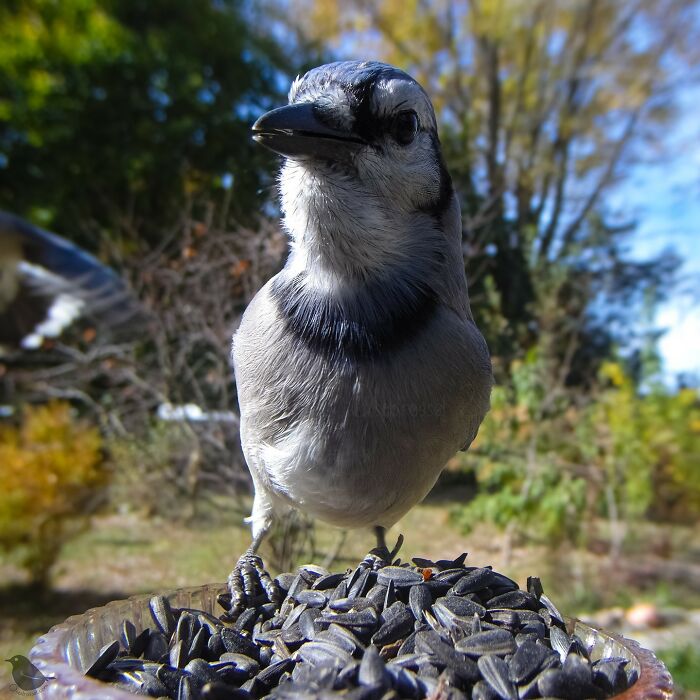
(50,470)
(684,665)
(550,462)
(115,113)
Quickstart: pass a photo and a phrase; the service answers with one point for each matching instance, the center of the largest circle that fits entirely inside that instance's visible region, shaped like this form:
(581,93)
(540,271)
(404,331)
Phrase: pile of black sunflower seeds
(438,629)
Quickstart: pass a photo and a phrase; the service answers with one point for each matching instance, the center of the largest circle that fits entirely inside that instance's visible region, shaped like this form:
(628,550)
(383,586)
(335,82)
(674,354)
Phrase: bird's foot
(250,584)
(381,555)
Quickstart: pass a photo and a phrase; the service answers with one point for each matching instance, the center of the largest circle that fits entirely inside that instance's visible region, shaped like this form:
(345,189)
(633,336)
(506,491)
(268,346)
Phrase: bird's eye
(405,127)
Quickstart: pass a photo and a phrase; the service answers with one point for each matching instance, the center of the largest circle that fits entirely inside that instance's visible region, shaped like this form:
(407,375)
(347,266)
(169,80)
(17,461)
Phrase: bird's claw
(250,584)
(382,555)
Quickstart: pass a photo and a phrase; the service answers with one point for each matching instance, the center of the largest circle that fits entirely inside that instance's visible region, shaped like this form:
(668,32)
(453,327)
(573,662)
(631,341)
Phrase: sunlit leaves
(551,468)
(50,469)
(111,109)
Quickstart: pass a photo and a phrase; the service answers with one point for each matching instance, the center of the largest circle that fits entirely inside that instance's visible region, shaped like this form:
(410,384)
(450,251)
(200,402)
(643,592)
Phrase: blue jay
(46,283)
(359,368)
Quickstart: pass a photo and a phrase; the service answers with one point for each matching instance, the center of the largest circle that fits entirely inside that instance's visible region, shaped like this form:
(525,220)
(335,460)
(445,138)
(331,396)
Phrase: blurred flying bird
(25,674)
(359,368)
(46,283)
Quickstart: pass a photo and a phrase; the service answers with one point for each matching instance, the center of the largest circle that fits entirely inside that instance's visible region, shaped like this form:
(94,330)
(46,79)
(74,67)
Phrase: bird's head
(364,121)
(16,660)
(361,155)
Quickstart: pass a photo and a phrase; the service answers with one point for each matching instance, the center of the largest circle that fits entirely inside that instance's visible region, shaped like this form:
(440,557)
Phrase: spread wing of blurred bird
(46,283)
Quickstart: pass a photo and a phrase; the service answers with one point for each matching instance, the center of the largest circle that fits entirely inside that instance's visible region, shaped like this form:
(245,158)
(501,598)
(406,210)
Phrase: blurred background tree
(115,113)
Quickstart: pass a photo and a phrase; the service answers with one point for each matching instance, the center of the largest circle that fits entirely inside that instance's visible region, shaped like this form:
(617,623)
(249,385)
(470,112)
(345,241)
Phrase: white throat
(340,232)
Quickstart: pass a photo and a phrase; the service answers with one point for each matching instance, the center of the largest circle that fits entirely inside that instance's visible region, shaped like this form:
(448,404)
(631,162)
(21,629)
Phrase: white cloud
(680,346)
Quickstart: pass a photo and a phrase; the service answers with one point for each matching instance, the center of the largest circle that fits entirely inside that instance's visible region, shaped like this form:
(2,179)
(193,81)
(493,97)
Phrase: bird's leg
(249,580)
(381,553)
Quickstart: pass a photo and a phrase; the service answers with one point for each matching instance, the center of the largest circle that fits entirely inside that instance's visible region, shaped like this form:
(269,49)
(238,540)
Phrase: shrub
(51,475)
(548,464)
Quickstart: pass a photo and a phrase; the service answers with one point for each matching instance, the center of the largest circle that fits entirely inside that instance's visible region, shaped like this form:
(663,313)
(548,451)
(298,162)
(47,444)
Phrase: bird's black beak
(297,131)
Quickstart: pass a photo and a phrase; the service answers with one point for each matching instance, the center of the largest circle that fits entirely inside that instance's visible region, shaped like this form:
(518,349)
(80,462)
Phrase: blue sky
(664,198)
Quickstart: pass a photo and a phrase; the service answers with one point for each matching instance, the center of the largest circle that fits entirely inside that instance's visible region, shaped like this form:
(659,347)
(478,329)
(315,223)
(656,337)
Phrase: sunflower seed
(185,690)
(307,623)
(495,672)
(560,642)
(364,621)
(398,623)
(515,600)
(265,656)
(221,691)
(169,676)
(314,599)
(200,671)
(312,572)
(450,576)
(555,682)
(536,628)
(246,620)
(437,588)
(527,661)
(452,610)
(552,609)
(389,596)
(506,618)
(362,583)
(377,595)
(476,580)
(444,655)
(372,671)
(610,676)
(341,591)
(271,675)
(162,614)
(348,604)
(499,642)
(345,636)
(284,581)
(328,581)
(405,682)
(298,584)
(483,691)
(150,685)
(419,599)
(128,633)
(235,642)
(400,576)
(178,655)
(323,653)
(199,645)
(107,654)
(156,647)
(408,646)
(244,663)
